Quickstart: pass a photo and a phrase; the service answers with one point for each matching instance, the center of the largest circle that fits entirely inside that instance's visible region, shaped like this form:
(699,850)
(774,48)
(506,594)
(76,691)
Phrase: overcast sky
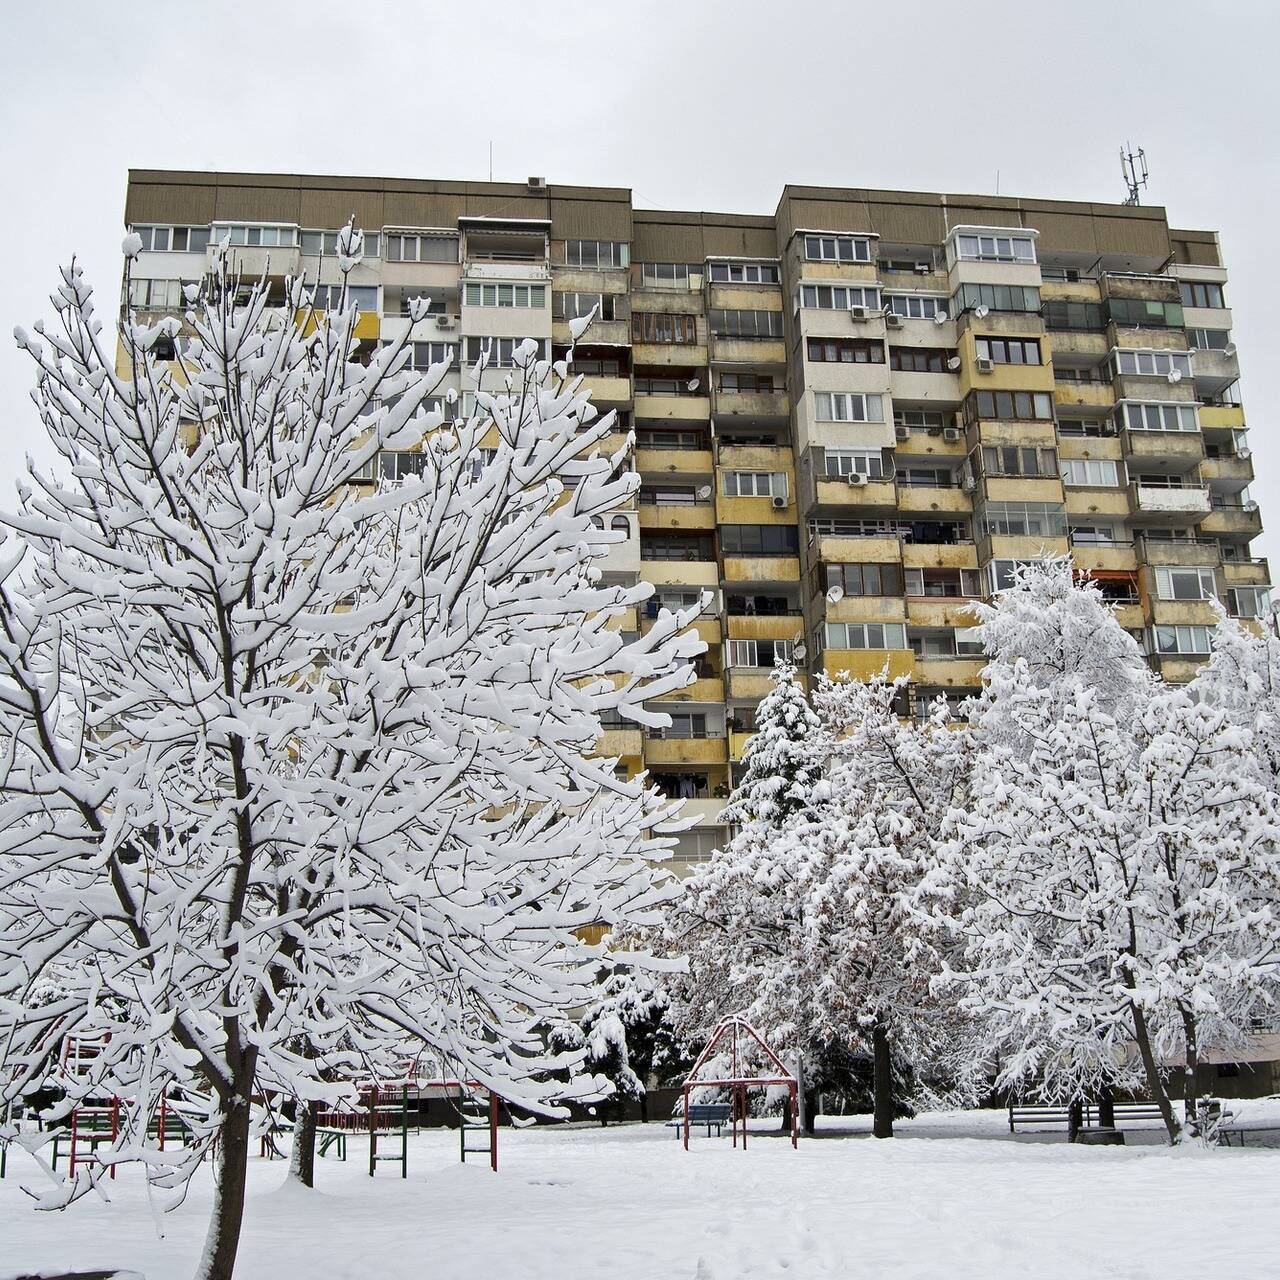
(700,104)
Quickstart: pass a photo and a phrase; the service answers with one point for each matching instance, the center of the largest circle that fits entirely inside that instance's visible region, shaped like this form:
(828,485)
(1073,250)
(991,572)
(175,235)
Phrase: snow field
(952,1196)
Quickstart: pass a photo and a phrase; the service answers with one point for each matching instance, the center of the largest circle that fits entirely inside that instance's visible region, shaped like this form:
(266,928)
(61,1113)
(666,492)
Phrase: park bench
(1053,1114)
(703,1114)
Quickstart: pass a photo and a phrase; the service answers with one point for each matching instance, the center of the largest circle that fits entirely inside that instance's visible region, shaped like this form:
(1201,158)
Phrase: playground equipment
(735,1035)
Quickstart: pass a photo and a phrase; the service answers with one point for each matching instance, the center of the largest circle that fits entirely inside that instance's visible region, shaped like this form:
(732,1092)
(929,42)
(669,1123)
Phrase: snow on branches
(297,778)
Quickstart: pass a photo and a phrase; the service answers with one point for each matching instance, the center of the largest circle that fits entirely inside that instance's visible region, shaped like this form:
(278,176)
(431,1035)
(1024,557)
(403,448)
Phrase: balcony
(766,626)
(1202,613)
(929,442)
(1180,552)
(748,684)
(621,743)
(707,688)
(1181,447)
(679,573)
(762,569)
(1229,470)
(954,670)
(949,611)
(1246,573)
(865,664)
(659,749)
(1088,395)
(842,491)
(748,351)
(922,499)
(691,462)
(1215,367)
(940,555)
(660,511)
(752,404)
(612,333)
(1105,557)
(1221,417)
(1073,343)
(1232,519)
(676,407)
(666,355)
(1182,502)
(623,557)
(706,810)
(839,547)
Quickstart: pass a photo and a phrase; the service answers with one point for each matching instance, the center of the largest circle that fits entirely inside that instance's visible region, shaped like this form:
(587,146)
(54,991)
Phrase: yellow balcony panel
(932,555)
(1022,489)
(1071,290)
(865,664)
(926,444)
(1178,504)
(706,629)
(748,351)
(1175,446)
(672,408)
(1090,447)
(368,324)
(1083,395)
(837,550)
(680,573)
(689,462)
(765,627)
(1193,613)
(670,354)
(840,493)
(753,404)
(1020,433)
(738,744)
(863,272)
(961,672)
(1131,616)
(1241,573)
(1098,502)
(919,499)
(867,609)
(1204,555)
(614,333)
(746,297)
(747,684)
(1000,547)
(1078,344)
(708,689)
(753,511)
(1104,559)
(604,390)
(625,620)
(1233,522)
(623,744)
(761,569)
(677,516)
(756,457)
(693,751)
(1179,670)
(1230,470)
(1221,417)
(952,612)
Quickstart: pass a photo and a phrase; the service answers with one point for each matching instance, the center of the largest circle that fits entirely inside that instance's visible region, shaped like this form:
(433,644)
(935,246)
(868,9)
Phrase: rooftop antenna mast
(1133,168)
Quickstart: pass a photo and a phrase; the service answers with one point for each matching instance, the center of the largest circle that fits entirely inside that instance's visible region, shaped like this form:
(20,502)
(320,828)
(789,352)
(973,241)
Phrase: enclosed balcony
(1150,499)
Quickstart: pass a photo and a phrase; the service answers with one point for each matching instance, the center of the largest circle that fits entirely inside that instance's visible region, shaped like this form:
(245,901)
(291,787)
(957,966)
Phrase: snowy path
(631,1204)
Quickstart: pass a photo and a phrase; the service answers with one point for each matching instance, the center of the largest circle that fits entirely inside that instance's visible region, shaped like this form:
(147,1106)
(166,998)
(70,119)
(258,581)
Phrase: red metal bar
(686,1117)
(795,1112)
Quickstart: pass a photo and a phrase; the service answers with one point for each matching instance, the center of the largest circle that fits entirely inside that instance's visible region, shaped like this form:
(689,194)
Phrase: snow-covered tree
(297,774)
(1114,875)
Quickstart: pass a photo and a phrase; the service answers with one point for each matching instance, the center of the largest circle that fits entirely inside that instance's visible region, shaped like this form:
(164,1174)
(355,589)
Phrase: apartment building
(852,417)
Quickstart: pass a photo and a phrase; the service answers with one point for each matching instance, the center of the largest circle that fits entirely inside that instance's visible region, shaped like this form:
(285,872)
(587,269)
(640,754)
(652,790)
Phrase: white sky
(701,104)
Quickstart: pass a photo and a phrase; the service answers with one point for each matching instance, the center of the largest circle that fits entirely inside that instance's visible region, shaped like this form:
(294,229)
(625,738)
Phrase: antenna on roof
(1133,168)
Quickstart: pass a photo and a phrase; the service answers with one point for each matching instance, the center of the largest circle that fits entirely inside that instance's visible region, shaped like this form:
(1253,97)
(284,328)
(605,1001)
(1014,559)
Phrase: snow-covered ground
(954,1197)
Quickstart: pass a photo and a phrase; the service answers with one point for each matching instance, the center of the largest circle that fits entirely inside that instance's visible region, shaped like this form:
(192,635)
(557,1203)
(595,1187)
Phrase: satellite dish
(705,492)
(953,363)
(835,594)
(799,651)
(939,317)
(693,384)
(1229,350)
(981,311)
(1174,375)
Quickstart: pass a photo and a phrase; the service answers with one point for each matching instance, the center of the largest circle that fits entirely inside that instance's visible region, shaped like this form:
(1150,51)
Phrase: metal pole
(493,1131)
(686,1117)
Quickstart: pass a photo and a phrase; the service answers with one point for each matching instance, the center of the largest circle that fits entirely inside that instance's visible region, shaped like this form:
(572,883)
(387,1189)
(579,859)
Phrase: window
(844,351)
(664,275)
(1090,472)
(916,306)
(599,367)
(406,248)
(949,642)
(658,326)
(572,306)
(1249,602)
(758,653)
(1094,428)
(925,477)
(685,724)
(408,295)
(1208,339)
(919,359)
(1143,313)
(669,495)
(396,465)
(922,419)
(837,249)
(834,297)
(847,462)
(746,324)
(476,294)
(315,243)
(1151,364)
(1001,574)
(1175,640)
(502,351)
(996,297)
(990,247)
(173,239)
(755,484)
(1066,275)
(943,583)
(156,295)
(1008,350)
(763,606)
(743,272)
(1095,534)
(759,540)
(1012,406)
(1018,460)
(1185,584)
(839,527)
(687,547)
(256,236)
(866,635)
(422,355)
(597,253)
(865,579)
(833,406)
(747,383)
(1196,294)
(328,297)
(1157,417)
(1023,520)
(683,386)
(1086,317)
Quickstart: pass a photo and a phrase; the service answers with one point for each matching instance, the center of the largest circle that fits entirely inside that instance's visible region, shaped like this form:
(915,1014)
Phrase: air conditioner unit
(950,434)
(968,484)
(445,322)
(892,320)
(984,364)
(923,268)
(903,433)
(858,313)
(855,479)
(779,502)
(537,185)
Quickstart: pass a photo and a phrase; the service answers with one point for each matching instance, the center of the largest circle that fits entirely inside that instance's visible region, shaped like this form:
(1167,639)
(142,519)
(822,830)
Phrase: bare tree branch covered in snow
(296,775)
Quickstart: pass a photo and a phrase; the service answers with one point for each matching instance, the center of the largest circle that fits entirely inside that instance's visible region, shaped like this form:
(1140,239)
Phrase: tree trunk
(810,1114)
(882,1083)
(302,1159)
(1106,1108)
(1190,1091)
(1159,1094)
(644,1106)
(1075,1119)
(223,1238)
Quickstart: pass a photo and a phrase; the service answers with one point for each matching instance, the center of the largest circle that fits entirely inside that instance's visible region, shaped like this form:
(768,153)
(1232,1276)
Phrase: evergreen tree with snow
(298,780)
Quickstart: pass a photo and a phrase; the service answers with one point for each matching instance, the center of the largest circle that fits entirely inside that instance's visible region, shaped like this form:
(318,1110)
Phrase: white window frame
(848,406)
(994,244)
(1206,583)
(1146,362)
(503,294)
(1190,640)
(1158,415)
(755,484)
(917,306)
(1090,473)
(858,635)
(831,247)
(746,653)
(864,462)
(838,297)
